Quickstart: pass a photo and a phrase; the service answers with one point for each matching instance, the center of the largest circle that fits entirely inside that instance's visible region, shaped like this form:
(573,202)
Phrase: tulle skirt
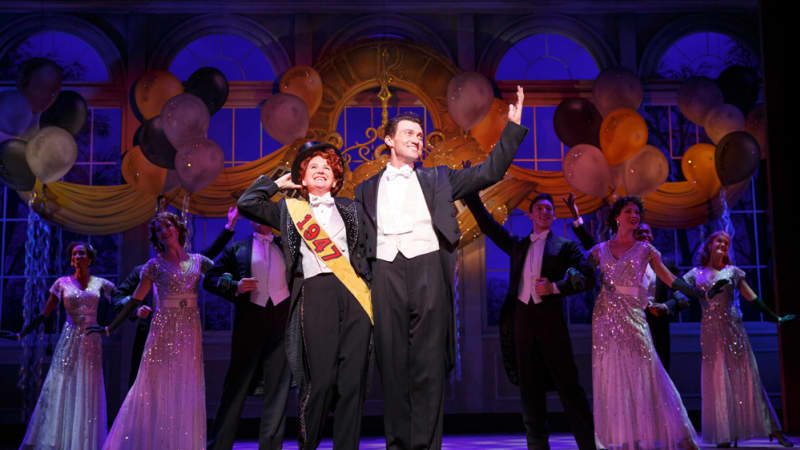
(166,408)
(71,410)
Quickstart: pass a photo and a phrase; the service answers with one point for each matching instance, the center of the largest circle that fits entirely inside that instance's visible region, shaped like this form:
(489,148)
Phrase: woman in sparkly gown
(71,410)
(166,407)
(735,405)
(636,404)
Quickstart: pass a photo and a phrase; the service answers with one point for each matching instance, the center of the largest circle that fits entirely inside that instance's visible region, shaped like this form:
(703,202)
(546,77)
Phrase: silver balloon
(697,96)
(51,153)
(285,118)
(616,88)
(15,113)
(645,171)
(469,97)
(587,170)
(722,120)
(14,170)
(183,117)
(198,162)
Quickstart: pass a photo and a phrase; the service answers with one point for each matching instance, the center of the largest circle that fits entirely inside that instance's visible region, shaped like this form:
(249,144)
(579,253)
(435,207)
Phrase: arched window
(79,60)
(547,56)
(704,54)
(236,57)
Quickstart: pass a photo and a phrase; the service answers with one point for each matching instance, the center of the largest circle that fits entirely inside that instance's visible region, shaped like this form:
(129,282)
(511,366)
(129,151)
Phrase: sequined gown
(166,406)
(735,405)
(636,404)
(71,410)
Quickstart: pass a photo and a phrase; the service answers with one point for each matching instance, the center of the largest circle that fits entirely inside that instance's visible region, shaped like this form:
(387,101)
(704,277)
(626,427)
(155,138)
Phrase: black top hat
(306,151)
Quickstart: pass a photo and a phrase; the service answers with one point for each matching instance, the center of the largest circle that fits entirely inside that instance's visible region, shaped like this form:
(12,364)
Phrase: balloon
(171,181)
(141,174)
(697,96)
(15,113)
(68,112)
(469,97)
(153,89)
(645,171)
(39,80)
(155,145)
(304,82)
(736,158)
(210,85)
(487,132)
(577,121)
(587,170)
(740,87)
(722,120)
(698,167)
(756,124)
(14,169)
(198,162)
(137,135)
(285,118)
(132,103)
(622,134)
(184,116)
(616,88)
(51,153)
(32,128)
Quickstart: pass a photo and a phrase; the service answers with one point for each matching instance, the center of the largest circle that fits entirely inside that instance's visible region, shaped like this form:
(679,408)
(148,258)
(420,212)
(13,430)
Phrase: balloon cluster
(726,108)
(285,115)
(171,147)
(609,138)
(38,123)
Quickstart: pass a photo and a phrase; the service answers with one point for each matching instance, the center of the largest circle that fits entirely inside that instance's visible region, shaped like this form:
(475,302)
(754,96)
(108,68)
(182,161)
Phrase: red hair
(333,160)
(705,254)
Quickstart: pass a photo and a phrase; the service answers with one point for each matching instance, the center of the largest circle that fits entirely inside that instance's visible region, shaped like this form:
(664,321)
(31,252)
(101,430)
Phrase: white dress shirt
(269,270)
(404,221)
(326,214)
(533,269)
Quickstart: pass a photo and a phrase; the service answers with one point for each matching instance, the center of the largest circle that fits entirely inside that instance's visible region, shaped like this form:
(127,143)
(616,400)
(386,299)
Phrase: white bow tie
(263,237)
(393,172)
(325,200)
(536,237)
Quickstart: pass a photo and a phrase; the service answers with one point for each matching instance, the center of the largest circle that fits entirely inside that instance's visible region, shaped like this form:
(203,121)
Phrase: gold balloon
(622,134)
(141,174)
(304,82)
(153,89)
(488,130)
(698,168)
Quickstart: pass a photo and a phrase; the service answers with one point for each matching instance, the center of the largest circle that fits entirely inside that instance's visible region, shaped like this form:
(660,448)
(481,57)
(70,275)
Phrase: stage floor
(491,441)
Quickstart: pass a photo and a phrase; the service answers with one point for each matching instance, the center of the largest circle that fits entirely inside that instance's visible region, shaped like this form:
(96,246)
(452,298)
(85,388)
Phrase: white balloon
(587,170)
(722,120)
(645,171)
(51,153)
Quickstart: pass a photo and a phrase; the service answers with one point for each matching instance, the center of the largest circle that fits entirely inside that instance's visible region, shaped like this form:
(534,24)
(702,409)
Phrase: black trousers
(254,353)
(336,335)
(412,314)
(544,356)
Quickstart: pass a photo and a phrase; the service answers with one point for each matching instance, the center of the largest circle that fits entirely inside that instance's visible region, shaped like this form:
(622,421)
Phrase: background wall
(554,49)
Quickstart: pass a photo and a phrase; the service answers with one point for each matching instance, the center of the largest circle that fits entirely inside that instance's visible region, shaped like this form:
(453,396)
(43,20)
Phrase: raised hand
(515,111)
(233,216)
(571,205)
(285,182)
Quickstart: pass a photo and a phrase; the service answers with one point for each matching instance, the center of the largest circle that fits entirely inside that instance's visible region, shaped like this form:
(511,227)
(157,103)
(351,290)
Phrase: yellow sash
(323,246)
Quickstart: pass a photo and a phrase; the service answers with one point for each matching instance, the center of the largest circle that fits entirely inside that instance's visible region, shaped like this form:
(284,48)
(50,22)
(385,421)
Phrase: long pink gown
(71,410)
(166,406)
(636,404)
(735,405)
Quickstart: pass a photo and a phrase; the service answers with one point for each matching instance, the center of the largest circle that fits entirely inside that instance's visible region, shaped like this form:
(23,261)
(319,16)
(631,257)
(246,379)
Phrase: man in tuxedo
(537,350)
(411,240)
(252,275)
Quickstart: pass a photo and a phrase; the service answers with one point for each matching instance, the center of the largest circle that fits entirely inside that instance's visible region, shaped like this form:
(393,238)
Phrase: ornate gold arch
(381,64)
